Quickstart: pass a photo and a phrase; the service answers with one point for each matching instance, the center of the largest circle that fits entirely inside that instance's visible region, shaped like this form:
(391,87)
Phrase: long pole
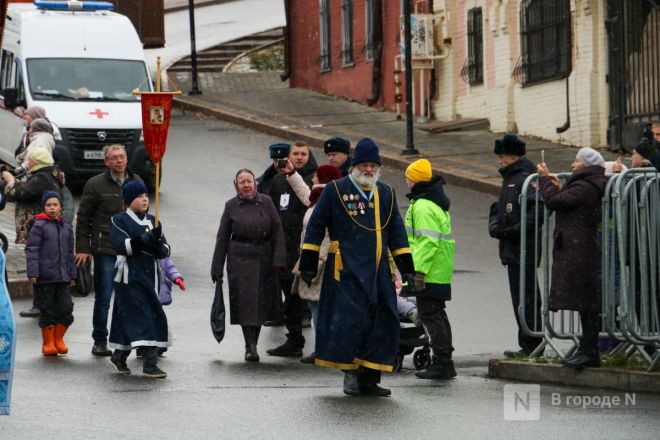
(157,190)
(193,51)
(410,144)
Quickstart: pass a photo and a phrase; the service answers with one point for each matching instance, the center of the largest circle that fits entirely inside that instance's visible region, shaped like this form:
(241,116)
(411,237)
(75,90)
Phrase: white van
(82,66)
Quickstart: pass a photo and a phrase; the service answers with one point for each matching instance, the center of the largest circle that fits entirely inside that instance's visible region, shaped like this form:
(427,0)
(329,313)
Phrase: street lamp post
(193,51)
(410,144)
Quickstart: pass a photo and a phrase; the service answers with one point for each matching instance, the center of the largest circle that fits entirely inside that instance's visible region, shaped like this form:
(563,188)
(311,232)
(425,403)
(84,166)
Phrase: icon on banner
(156,115)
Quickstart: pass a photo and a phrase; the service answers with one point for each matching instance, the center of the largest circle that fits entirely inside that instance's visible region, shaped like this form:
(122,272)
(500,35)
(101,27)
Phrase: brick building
(581,72)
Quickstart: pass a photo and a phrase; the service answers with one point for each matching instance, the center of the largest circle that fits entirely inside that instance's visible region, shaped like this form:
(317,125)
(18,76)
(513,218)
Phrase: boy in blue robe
(138,319)
(358,323)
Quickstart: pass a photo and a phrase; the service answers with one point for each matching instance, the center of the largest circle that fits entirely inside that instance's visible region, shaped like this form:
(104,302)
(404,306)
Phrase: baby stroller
(412,337)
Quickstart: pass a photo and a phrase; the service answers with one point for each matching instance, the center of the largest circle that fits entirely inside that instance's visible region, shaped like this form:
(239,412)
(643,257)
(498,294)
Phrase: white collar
(144,222)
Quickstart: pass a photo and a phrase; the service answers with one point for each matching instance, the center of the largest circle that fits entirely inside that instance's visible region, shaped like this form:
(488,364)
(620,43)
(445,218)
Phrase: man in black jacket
(101,199)
(504,224)
(292,211)
(338,151)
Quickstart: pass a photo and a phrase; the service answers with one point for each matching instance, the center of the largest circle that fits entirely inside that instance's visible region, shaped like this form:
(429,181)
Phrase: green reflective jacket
(429,233)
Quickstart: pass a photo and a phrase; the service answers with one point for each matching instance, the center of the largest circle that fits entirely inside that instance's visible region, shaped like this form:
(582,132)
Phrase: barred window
(473,69)
(545,33)
(369,30)
(347,32)
(324,35)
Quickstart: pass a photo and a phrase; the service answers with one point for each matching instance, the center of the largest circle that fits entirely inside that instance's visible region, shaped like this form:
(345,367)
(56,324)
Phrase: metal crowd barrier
(630,270)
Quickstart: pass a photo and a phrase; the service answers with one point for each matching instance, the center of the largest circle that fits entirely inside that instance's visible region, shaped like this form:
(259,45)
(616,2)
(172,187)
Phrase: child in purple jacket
(50,267)
(168,274)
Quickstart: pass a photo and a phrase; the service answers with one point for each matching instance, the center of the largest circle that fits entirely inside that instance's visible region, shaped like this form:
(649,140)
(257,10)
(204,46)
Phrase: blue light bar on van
(74,5)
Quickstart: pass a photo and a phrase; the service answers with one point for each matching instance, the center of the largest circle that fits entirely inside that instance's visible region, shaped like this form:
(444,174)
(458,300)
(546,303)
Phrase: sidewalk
(262,102)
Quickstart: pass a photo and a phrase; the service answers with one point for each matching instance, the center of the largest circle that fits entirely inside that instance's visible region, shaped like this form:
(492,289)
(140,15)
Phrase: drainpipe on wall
(377,72)
(432,81)
(567,124)
(287,42)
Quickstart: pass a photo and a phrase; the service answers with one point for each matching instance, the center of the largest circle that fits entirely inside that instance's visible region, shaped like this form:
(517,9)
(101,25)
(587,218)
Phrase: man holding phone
(278,153)
(292,211)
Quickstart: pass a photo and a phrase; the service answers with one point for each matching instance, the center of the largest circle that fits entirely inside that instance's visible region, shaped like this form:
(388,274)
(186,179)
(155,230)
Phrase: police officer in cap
(338,151)
(278,151)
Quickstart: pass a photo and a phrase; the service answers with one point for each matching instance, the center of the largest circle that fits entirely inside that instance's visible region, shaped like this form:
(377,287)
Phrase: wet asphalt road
(212,393)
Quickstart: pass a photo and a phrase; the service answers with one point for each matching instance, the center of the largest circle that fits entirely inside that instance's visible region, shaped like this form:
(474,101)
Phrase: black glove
(136,245)
(308,276)
(415,281)
(157,232)
(216,279)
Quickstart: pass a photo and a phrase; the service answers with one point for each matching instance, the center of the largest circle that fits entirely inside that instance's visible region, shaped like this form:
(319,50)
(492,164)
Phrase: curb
(452,175)
(197,5)
(613,378)
(19,288)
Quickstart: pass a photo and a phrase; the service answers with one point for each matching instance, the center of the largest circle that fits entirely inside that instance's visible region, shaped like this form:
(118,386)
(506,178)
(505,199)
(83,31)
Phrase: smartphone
(281,163)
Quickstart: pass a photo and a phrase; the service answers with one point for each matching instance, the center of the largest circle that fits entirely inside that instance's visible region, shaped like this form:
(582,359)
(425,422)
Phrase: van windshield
(77,79)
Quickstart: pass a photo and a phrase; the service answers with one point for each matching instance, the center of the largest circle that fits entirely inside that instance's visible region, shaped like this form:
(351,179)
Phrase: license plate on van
(94,154)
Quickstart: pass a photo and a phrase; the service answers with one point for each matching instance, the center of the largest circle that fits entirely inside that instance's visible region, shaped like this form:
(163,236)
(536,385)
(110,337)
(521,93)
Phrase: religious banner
(156,111)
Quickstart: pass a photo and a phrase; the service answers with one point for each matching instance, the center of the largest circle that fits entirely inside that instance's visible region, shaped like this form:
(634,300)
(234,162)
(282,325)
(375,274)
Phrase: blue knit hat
(279,150)
(366,151)
(131,190)
(50,195)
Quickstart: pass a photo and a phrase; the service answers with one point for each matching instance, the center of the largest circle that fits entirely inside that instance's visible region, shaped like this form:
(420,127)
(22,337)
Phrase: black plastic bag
(218,313)
(84,282)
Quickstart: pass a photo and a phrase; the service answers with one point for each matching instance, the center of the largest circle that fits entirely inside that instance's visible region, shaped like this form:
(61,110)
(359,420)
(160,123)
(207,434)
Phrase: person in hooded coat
(575,283)
(428,226)
(251,241)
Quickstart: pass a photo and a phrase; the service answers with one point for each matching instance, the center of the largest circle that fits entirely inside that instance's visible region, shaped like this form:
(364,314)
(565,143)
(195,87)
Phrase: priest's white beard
(365,179)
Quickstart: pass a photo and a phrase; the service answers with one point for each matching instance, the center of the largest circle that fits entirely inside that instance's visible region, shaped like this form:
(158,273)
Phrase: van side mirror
(11,97)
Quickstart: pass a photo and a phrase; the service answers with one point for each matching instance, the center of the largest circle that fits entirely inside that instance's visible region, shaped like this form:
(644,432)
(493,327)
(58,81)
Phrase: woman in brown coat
(575,283)
(251,240)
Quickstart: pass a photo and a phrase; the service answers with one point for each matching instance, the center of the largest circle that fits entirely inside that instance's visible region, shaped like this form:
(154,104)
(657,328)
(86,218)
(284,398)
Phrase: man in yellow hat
(428,226)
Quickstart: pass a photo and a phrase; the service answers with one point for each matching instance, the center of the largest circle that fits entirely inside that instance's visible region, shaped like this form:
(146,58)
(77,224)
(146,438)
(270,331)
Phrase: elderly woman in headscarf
(40,135)
(575,283)
(29,115)
(27,194)
(250,239)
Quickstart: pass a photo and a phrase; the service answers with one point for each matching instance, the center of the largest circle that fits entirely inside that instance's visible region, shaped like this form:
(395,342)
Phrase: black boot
(292,347)
(150,366)
(118,360)
(582,359)
(368,380)
(442,369)
(251,336)
(351,383)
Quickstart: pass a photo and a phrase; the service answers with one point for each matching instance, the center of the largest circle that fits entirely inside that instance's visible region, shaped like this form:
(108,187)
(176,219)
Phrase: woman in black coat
(251,240)
(575,283)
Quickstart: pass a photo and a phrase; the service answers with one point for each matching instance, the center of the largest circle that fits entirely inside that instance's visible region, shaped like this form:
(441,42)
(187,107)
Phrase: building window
(545,33)
(347,32)
(369,30)
(473,69)
(324,35)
